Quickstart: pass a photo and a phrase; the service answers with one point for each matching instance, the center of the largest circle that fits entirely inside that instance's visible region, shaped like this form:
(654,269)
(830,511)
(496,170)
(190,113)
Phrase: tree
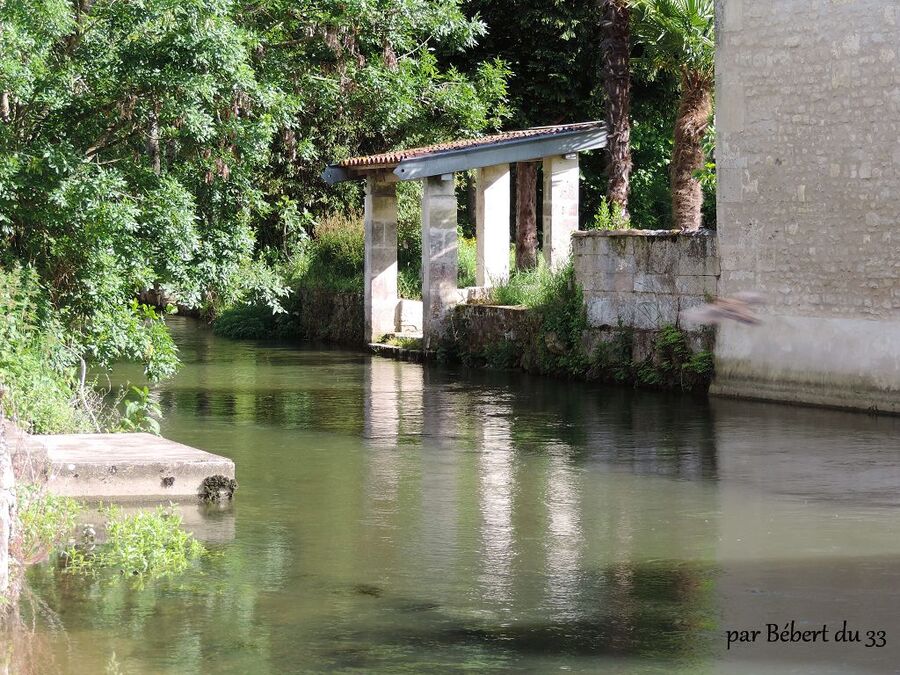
(615,23)
(678,38)
(526,215)
(553,51)
(160,143)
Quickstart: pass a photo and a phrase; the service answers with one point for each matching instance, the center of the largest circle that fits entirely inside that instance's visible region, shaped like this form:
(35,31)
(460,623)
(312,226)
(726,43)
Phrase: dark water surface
(398,518)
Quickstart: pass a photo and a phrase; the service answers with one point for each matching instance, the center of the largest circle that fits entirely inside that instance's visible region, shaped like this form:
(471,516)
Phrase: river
(399,518)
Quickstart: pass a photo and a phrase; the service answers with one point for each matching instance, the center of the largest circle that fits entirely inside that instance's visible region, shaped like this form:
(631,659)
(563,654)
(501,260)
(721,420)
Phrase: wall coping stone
(649,234)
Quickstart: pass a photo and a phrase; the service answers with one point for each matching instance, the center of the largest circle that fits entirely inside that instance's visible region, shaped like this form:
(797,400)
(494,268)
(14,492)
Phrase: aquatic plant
(216,488)
(148,544)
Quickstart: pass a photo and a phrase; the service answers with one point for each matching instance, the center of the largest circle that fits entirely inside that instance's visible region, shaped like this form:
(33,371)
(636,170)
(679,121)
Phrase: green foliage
(673,364)
(653,108)
(333,258)
(45,521)
(141,412)
(554,52)
(146,545)
(564,318)
(501,355)
(130,141)
(701,364)
(559,302)
(608,218)
(676,35)
(404,342)
(180,145)
(467,252)
(613,358)
(409,240)
(708,178)
(37,363)
(528,288)
(245,322)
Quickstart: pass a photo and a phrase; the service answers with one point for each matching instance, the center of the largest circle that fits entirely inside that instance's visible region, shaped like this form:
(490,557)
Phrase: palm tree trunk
(694,111)
(617,84)
(526,215)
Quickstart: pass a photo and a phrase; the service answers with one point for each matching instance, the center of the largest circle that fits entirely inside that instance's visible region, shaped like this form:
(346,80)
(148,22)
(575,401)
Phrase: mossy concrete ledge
(128,467)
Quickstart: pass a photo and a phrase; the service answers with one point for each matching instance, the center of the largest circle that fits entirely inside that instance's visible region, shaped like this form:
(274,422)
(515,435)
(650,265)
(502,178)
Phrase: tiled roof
(397,156)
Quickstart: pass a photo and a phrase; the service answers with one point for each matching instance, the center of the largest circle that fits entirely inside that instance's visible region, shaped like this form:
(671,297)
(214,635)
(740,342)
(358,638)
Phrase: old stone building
(808,119)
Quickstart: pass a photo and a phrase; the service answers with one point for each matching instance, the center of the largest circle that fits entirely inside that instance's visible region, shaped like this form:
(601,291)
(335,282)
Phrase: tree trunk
(694,111)
(526,215)
(617,85)
(153,141)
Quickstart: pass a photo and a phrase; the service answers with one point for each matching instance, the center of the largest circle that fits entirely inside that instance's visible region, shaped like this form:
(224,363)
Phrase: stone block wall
(808,160)
(644,279)
(331,316)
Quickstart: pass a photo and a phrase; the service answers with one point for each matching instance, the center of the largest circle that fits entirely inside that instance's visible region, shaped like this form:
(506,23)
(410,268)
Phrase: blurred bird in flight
(736,308)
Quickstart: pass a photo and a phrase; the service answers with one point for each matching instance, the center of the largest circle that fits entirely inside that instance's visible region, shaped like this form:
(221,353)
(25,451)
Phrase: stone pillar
(492,199)
(440,265)
(560,208)
(381,256)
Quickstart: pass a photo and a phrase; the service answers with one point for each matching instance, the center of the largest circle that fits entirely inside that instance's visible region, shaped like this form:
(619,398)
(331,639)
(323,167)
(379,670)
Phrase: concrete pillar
(560,207)
(492,197)
(440,264)
(380,278)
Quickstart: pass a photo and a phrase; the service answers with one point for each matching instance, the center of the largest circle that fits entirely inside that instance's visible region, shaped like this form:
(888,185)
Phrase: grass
(45,521)
(404,342)
(528,288)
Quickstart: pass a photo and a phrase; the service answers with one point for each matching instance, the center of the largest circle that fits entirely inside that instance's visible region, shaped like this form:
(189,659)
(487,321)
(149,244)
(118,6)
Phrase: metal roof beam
(505,152)
(474,157)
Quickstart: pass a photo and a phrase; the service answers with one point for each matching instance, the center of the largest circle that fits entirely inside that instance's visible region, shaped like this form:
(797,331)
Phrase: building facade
(808,120)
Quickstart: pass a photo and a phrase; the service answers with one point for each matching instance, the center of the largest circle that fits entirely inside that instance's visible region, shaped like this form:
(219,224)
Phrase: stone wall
(808,120)
(518,337)
(331,316)
(644,279)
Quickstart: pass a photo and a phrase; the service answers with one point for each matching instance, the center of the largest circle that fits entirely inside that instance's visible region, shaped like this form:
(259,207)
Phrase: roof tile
(397,156)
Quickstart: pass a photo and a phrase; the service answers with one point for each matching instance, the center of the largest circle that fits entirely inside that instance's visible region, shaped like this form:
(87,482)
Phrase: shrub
(333,258)
(609,217)
(245,322)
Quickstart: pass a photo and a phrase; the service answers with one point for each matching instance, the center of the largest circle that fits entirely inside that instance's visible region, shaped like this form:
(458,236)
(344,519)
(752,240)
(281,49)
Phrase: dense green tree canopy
(165,141)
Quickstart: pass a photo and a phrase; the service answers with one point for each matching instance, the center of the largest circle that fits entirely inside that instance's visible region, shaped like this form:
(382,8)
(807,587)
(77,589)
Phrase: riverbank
(611,315)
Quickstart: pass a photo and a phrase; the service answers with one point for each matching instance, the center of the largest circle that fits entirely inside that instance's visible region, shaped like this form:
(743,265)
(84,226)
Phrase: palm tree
(678,37)
(617,83)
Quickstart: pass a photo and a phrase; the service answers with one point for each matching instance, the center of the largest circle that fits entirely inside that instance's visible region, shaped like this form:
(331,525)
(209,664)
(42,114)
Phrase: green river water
(395,518)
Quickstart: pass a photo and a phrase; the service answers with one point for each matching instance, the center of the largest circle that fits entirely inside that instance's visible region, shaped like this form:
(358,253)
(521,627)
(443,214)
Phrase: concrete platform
(128,467)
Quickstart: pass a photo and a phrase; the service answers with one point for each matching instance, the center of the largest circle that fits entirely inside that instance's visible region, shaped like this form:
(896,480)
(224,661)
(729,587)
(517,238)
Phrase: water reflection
(393,516)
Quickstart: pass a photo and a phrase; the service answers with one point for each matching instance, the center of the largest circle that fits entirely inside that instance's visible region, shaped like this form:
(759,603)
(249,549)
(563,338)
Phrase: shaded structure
(557,147)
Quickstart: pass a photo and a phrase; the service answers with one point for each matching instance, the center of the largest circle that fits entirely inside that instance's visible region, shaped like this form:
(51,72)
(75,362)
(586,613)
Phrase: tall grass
(530,288)
(333,257)
(38,381)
